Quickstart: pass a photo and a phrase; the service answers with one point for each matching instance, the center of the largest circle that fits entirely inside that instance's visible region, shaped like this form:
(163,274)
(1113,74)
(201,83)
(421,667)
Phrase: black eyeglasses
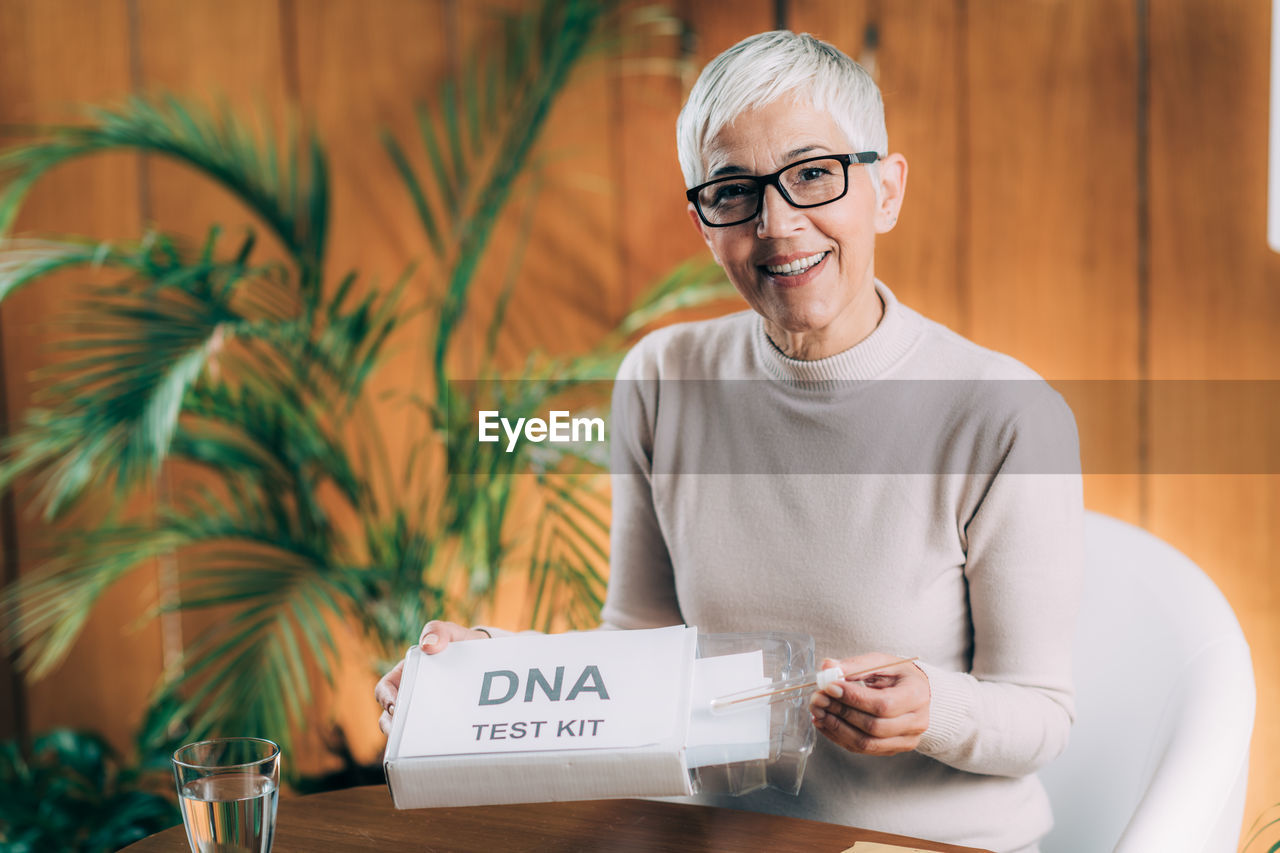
(811,182)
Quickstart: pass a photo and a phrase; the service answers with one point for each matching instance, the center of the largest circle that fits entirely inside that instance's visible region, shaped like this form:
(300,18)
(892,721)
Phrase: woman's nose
(777,216)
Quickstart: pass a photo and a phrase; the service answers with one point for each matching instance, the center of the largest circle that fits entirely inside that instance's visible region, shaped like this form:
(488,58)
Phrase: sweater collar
(867,359)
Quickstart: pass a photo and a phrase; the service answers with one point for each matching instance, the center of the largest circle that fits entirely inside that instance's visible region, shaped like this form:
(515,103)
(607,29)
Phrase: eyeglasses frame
(771,180)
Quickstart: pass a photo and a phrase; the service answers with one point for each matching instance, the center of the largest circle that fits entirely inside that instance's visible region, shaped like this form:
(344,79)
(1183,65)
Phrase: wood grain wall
(1087,193)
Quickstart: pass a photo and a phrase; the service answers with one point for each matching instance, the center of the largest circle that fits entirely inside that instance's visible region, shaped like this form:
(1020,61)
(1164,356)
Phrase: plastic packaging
(788,659)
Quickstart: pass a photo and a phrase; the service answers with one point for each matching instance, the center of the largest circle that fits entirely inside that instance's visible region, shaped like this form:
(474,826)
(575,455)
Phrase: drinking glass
(227,789)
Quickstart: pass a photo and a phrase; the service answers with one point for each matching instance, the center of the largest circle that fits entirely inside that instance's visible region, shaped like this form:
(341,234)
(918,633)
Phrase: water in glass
(229,813)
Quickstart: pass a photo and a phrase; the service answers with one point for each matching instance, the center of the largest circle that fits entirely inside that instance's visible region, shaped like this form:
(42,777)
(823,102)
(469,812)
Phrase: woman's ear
(703,231)
(893,186)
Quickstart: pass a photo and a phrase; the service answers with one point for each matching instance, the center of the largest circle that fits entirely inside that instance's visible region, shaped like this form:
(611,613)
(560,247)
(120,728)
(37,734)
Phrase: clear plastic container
(791,733)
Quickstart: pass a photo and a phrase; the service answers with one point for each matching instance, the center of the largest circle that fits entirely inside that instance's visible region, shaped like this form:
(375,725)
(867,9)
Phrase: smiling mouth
(796,267)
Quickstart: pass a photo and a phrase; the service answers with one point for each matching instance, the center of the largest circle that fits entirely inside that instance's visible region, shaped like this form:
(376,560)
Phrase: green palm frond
(24,261)
(248,673)
(514,261)
(478,136)
(1258,832)
(136,350)
(266,439)
(294,203)
(691,284)
(688,285)
(400,585)
(568,549)
(354,336)
(140,348)
(43,613)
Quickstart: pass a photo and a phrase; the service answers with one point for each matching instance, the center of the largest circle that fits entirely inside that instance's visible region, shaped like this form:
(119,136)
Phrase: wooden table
(360,819)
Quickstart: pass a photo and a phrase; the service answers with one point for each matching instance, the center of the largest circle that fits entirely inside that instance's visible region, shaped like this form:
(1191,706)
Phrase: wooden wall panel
(57,56)
(1214,300)
(1052,208)
(229,53)
(719,26)
(1215,305)
(654,231)
(1054,185)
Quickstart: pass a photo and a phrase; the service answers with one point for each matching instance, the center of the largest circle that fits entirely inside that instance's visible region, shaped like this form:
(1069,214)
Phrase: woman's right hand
(435,638)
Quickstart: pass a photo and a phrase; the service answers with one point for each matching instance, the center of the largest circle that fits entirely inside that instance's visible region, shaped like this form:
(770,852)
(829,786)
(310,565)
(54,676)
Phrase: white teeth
(796,267)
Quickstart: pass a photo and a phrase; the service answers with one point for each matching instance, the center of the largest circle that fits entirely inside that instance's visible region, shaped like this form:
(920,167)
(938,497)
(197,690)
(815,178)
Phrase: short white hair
(761,69)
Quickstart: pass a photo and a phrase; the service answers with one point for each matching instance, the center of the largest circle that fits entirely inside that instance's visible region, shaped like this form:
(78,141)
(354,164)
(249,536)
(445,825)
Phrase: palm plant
(255,374)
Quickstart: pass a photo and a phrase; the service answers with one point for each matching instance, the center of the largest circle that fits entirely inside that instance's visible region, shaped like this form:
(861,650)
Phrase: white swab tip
(829,676)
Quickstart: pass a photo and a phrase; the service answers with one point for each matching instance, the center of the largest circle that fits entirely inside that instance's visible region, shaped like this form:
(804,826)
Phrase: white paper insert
(725,738)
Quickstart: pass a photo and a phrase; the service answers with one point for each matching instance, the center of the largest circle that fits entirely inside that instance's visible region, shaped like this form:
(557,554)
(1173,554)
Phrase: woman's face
(829,306)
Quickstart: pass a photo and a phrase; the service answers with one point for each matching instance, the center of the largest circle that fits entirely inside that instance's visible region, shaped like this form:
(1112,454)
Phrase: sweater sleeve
(642,591)
(1012,712)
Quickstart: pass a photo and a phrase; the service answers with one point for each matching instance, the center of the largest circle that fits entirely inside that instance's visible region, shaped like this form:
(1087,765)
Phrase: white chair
(1158,757)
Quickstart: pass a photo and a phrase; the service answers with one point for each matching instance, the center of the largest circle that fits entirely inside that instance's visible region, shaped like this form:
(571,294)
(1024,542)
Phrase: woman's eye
(813,173)
(731,192)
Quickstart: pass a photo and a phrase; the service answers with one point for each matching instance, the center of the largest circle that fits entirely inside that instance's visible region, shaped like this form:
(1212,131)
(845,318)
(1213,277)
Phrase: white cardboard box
(544,718)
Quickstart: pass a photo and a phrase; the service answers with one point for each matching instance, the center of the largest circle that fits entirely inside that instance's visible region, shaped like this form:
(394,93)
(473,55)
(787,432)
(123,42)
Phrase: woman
(828,503)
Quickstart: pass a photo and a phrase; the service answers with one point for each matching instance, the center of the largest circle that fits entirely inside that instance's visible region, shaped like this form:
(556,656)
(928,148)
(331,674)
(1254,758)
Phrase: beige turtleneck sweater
(915,495)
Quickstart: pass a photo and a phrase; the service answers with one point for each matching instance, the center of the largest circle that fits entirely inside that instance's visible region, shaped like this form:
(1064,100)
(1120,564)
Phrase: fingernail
(834,690)
(430,640)
(391,709)
(818,714)
(821,701)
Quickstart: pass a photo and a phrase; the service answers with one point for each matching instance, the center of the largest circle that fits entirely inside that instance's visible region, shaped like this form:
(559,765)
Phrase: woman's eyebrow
(727,170)
(793,154)
(796,152)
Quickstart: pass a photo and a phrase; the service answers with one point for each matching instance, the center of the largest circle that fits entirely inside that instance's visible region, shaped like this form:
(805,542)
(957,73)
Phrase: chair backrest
(1164,706)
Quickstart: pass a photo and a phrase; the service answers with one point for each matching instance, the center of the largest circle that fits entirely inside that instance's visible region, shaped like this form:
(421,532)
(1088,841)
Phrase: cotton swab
(770,693)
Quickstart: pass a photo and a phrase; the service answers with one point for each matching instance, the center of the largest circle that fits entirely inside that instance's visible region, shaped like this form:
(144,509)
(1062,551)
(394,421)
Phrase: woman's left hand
(883,714)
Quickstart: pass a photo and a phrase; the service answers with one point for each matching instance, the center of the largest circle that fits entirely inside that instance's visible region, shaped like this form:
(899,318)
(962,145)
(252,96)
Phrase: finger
(892,737)
(384,723)
(437,635)
(911,724)
(388,687)
(888,695)
(855,740)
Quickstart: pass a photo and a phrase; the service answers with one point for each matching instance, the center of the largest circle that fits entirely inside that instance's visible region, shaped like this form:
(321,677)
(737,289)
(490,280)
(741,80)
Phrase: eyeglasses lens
(805,184)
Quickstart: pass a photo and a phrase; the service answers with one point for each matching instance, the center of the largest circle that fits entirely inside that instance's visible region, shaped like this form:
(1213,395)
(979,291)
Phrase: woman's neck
(814,344)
